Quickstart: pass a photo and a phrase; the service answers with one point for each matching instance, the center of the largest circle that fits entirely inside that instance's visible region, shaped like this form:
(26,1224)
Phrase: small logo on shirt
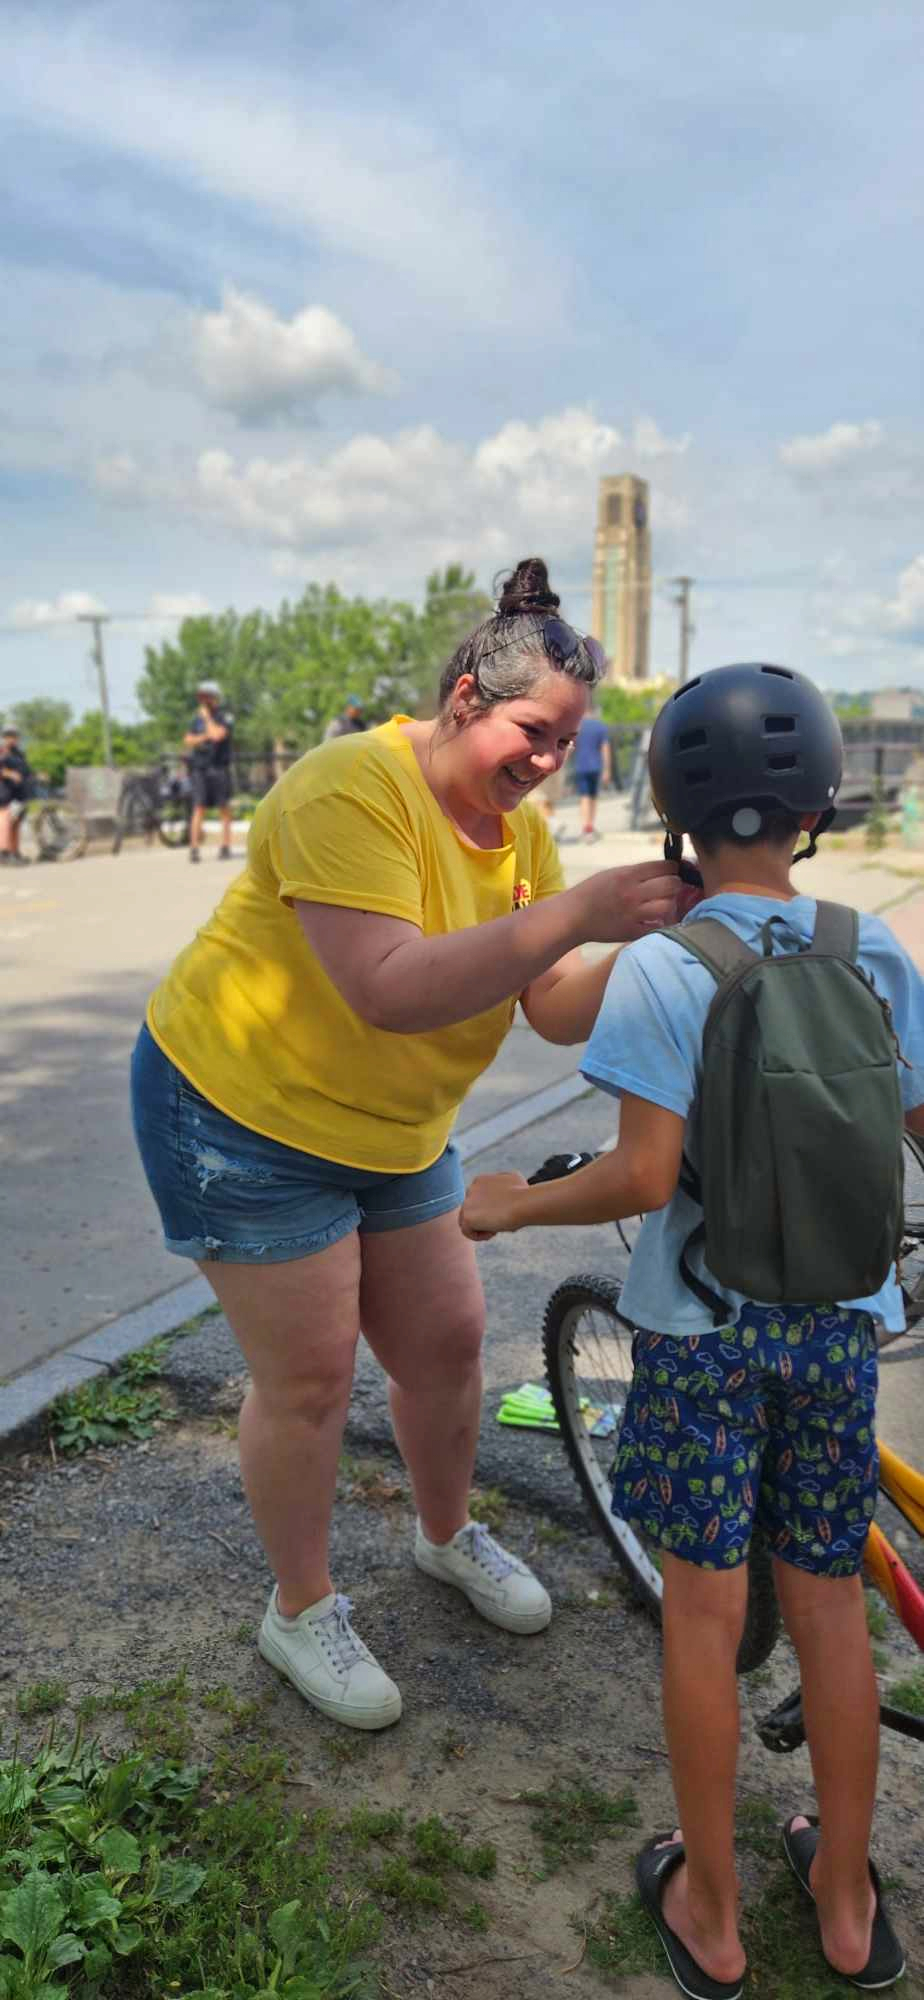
(522,894)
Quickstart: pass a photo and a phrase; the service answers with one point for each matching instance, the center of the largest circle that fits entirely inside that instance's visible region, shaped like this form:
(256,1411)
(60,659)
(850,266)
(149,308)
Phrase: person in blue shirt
(767,1387)
(591,765)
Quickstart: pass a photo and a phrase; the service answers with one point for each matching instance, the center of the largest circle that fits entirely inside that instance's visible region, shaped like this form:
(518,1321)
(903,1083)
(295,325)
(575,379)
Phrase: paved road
(83,945)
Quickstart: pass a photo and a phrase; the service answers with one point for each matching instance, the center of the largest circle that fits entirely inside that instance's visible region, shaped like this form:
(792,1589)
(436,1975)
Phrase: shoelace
(485,1550)
(340,1634)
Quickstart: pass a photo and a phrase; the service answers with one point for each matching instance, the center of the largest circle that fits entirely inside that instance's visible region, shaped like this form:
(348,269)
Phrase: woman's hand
(488,1210)
(625,903)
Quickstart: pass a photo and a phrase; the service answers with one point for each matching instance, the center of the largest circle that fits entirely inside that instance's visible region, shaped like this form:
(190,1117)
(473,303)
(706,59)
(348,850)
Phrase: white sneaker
(324,1658)
(496,1583)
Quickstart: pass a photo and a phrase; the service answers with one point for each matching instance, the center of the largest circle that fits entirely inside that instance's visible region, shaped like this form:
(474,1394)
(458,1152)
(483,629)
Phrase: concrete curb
(30,1394)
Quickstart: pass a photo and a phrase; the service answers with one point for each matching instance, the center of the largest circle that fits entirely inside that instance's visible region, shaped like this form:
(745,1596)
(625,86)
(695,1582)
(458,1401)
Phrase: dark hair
(505,655)
(778,828)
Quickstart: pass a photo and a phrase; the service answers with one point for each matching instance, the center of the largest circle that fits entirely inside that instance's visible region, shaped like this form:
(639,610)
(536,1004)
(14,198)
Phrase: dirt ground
(135,1562)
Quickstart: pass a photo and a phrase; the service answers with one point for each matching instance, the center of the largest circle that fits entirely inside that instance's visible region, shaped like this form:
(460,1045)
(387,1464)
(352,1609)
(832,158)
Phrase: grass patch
(43,1698)
(489,1506)
(364,1826)
(122,1880)
(116,1408)
(757,1827)
(877,1617)
(365,1479)
(909,1694)
(622,1940)
(569,1821)
(551,1535)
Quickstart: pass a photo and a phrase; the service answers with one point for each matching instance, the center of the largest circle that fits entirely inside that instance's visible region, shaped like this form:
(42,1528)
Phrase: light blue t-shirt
(648,1039)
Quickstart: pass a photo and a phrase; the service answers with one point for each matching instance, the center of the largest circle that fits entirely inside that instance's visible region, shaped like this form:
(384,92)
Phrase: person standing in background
(349,722)
(208,739)
(15,778)
(593,763)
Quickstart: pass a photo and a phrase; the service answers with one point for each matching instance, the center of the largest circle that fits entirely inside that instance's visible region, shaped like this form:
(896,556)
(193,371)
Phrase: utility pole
(687,628)
(98,620)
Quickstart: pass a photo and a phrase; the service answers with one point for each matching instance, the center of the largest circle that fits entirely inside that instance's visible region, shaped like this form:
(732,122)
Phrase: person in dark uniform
(350,720)
(15,778)
(208,740)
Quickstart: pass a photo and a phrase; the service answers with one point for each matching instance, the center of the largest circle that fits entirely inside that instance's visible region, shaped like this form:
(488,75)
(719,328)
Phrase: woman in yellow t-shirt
(296,1081)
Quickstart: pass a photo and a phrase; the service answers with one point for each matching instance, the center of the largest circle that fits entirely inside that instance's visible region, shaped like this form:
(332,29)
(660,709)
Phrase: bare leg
(297,1325)
(226,826)
(703,1621)
(6,830)
(826,1621)
(422,1312)
(195,826)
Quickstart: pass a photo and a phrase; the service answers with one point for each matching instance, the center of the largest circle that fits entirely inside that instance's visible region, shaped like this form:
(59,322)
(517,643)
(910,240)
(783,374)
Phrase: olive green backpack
(799,1121)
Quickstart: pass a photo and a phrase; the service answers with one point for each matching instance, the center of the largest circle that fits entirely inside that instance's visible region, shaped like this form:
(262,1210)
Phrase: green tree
(285,676)
(42,719)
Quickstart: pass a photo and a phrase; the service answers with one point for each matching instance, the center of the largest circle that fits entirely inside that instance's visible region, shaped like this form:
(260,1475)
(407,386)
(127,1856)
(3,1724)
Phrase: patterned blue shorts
(772,1420)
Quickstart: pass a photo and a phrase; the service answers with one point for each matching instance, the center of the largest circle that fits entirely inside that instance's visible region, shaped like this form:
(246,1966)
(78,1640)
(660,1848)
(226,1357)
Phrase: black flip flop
(886,1961)
(653,1866)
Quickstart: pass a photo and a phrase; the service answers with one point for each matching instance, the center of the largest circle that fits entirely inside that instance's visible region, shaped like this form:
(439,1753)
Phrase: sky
(344,293)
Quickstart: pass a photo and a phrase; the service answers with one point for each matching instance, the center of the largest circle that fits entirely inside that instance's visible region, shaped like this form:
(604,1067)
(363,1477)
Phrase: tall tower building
(621,607)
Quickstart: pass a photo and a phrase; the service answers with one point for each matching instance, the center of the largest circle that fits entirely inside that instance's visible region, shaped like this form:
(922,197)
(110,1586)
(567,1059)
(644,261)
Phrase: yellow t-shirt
(248,1013)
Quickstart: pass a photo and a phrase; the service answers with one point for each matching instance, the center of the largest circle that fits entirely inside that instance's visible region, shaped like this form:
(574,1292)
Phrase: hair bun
(527,589)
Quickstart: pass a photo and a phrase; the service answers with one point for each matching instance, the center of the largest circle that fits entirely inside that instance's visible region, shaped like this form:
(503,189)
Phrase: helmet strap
(673,851)
(821,826)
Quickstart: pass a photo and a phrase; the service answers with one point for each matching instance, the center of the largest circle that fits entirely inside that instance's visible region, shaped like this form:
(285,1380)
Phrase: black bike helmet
(753,737)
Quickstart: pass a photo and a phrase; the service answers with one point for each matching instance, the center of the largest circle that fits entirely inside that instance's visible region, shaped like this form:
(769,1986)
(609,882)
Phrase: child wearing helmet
(735,1388)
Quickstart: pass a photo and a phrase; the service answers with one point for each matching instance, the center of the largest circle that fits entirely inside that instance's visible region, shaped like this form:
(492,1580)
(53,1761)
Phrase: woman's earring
(458,717)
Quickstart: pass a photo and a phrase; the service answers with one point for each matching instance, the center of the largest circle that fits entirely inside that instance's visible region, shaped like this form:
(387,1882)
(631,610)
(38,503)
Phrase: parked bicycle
(155,804)
(587,1348)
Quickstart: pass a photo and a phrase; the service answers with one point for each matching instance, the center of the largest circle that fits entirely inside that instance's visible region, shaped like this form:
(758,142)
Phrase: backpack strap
(716,947)
(837,931)
(722,953)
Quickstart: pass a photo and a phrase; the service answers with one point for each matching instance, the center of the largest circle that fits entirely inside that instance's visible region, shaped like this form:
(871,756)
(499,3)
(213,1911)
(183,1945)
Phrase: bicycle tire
(911,1255)
(576,1296)
(61,836)
(173,825)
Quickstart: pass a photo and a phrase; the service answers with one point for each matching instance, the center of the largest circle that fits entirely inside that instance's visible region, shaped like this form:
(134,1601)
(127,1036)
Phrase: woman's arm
(396,978)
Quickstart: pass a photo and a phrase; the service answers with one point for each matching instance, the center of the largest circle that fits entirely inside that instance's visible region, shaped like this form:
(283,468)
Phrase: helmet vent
(692,739)
(700,776)
(687,688)
(790,763)
(779,725)
(782,673)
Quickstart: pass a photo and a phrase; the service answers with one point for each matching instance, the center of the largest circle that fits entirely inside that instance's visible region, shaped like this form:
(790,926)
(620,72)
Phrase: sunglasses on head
(561,643)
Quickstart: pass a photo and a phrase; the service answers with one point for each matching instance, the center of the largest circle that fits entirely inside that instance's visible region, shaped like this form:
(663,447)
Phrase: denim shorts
(229,1195)
(771,1420)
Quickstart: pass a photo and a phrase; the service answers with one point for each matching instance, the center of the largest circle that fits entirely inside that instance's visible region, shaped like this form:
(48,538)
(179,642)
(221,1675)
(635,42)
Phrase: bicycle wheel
(911,1255)
(587,1348)
(173,824)
(60,833)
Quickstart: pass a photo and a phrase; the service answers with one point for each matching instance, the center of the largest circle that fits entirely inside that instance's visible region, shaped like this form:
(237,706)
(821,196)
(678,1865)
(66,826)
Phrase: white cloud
(649,441)
(69,605)
(905,610)
(832,448)
(855,624)
(261,367)
(420,494)
(183,604)
(318,164)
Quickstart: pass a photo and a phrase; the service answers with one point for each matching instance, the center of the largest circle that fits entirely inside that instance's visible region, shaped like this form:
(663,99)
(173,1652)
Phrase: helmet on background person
(210,688)
(741,744)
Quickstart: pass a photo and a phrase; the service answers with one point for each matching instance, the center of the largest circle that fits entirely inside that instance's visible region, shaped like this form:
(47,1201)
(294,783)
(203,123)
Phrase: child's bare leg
(826,1620)
(703,1620)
